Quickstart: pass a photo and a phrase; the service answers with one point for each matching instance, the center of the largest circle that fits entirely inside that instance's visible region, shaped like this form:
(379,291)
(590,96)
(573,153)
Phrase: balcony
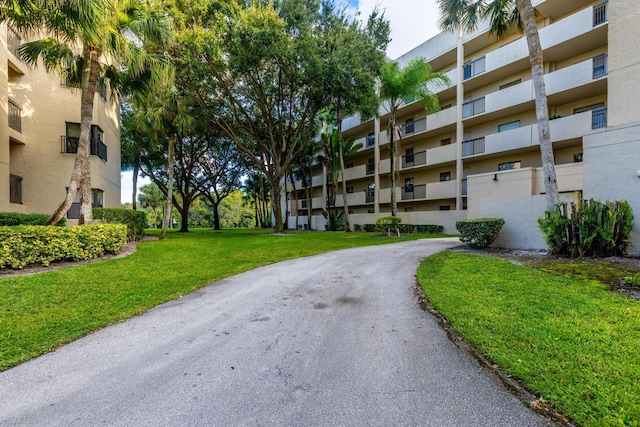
(473,68)
(415,159)
(69,144)
(562,129)
(355,172)
(15,116)
(370,196)
(414,192)
(433,156)
(15,189)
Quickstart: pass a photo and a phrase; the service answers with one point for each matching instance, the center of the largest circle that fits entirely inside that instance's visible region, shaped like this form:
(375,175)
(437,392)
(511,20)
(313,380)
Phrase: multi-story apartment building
(39,130)
(479,155)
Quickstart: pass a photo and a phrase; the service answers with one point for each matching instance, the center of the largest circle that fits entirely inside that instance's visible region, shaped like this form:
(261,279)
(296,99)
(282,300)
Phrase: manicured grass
(41,312)
(573,342)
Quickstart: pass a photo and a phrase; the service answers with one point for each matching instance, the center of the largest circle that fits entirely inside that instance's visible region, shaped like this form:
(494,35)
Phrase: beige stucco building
(479,156)
(39,129)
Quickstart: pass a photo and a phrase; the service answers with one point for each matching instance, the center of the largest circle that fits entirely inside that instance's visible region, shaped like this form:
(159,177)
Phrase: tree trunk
(392,163)
(86,213)
(347,225)
(275,202)
(134,193)
(285,226)
(89,79)
(216,216)
(184,216)
(527,13)
(167,213)
(295,198)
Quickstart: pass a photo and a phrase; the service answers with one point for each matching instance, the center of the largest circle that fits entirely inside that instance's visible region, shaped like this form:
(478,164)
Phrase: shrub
(35,244)
(591,228)
(429,229)
(134,220)
(369,228)
(357,227)
(335,220)
(14,218)
(406,228)
(479,232)
(385,222)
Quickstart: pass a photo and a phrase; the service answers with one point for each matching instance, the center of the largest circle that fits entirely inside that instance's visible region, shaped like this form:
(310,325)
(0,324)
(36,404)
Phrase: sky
(412,23)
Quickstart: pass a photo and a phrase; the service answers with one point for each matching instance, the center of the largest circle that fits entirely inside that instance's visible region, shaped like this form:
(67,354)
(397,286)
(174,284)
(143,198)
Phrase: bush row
(134,220)
(404,228)
(479,232)
(11,219)
(34,244)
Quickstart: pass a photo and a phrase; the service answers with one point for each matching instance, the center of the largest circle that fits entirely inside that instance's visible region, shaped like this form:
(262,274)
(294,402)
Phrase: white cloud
(412,22)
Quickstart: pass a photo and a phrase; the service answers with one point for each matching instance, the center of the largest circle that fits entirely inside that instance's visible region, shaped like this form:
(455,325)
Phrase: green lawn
(569,340)
(41,312)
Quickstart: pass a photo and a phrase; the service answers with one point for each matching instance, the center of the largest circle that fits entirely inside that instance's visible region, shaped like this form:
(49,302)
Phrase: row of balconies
(562,129)
(552,36)
(526,181)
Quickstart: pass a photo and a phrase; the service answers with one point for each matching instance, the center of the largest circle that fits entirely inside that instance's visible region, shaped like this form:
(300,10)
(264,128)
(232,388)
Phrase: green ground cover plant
(41,312)
(566,338)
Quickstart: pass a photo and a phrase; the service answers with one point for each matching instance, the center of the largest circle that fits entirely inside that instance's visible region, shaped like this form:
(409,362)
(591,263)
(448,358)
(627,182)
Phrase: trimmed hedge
(404,228)
(11,219)
(134,220)
(479,232)
(35,244)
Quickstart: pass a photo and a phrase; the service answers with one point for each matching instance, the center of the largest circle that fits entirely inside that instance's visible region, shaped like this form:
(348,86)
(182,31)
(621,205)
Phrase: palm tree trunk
(86,214)
(527,14)
(347,225)
(89,79)
(167,213)
(134,192)
(392,163)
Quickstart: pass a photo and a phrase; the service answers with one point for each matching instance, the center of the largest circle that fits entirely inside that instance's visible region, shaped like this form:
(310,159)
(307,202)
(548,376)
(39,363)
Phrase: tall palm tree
(397,85)
(504,17)
(82,38)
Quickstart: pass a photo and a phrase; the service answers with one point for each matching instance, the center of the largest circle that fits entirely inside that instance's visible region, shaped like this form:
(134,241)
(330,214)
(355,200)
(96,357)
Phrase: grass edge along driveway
(574,343)
(41,312)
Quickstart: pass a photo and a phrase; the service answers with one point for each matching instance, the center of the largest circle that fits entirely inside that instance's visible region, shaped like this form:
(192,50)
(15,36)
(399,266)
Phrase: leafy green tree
(234,213)
(151,197)
(85,40)
(262,66)
(413,81)
(354,57)
(504,16)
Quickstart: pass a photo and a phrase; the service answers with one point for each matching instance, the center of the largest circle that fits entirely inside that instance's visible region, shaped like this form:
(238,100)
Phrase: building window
(507,166)
(371,139)
(473,68)
(445,176)
(370,211)
(577,157)
(409,155)
(371,193)
(473,107)
(508,126)
(445,208)
(371,169)
(600,66)
(408,185)
(446,141)
(408,126)
(600,13)
(473,146)
(348,166)
(599,118)
(15,189)
(349,190)
(15,116)
(97,198)
(71,140)
(510,84)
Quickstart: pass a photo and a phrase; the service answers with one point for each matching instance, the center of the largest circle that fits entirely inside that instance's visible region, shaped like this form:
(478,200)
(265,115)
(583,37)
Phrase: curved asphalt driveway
(332,340)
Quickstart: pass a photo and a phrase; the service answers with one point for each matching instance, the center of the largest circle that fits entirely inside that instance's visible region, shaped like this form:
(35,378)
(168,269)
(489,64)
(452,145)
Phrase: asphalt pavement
(336,339)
